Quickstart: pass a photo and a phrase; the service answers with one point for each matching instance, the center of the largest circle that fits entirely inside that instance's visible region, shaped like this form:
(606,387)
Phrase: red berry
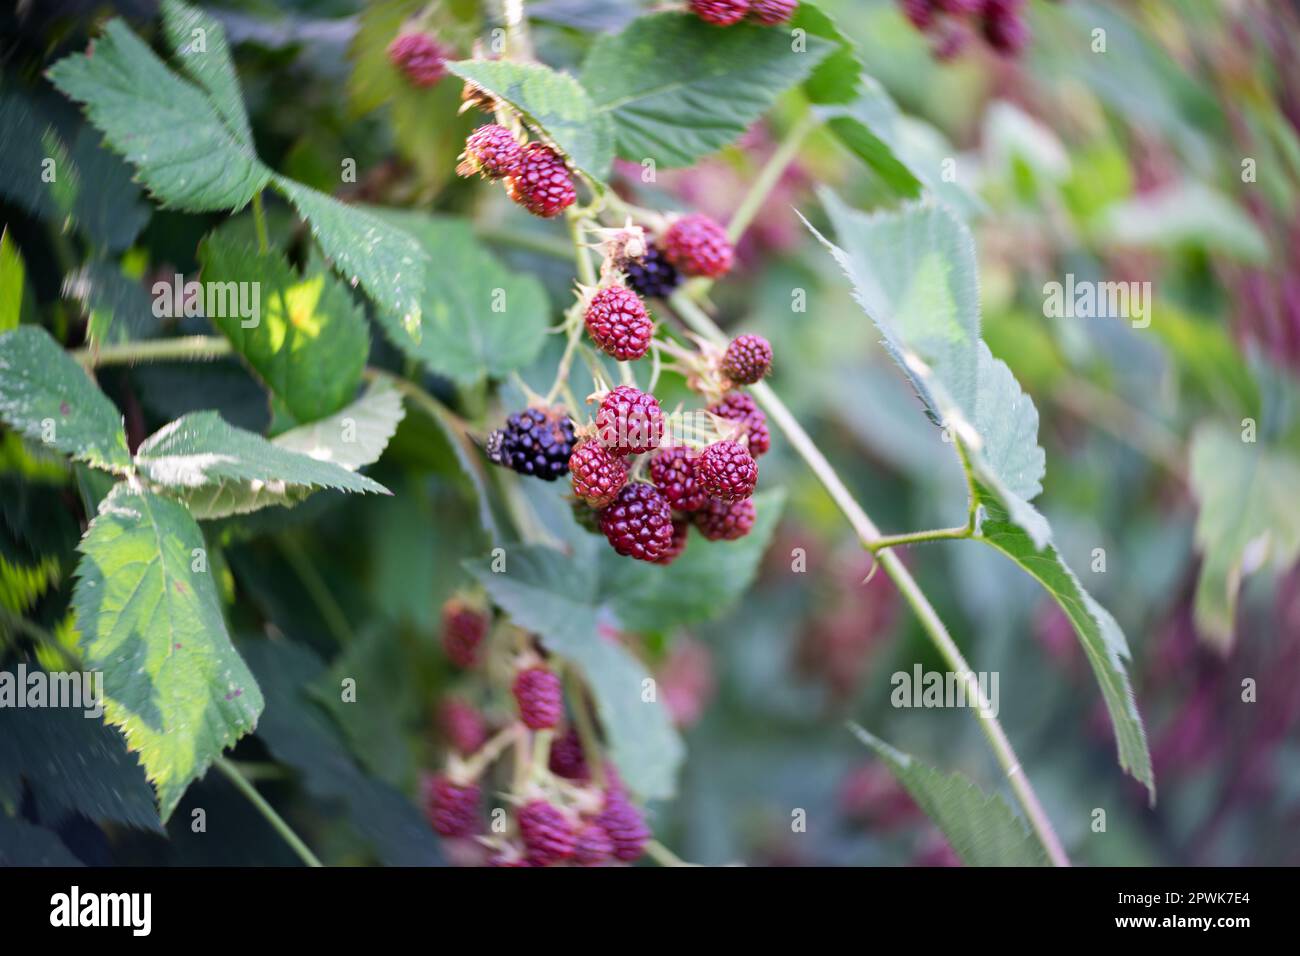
(680,528)
(726,470)
(592,845)
(739,407)
(625,826)
(463,630)
(421,58)
(721,13)
(725,520)
(673,473)
(541,182)
(568,759)
(597,475)
(698,246)
(639,524)
(548,834)
(629,421)
(618,322)
(462,725)
(539,697)
(747,360)
(958,8)
(452,808)
(492,151)
(772,12)
(1004,27)
(920,12)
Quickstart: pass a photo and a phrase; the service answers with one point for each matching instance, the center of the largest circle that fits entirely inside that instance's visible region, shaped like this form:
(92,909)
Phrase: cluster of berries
(724,13)
(563,816)
(420,58)
(952,23)
(535,175)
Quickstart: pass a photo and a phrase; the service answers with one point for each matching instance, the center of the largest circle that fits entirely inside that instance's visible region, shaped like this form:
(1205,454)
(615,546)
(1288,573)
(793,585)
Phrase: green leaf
(837,77)
(25,844)
(48,397)
(555,104)
(13,283)
(556,596)
(1248,518)
(980,827)
(202,451)
(702,584)
(199,44)
(914,274)
(309,343)
(480,317)
(167,127)
(387,262)
(357,435)
(152,625)
(1100,636)
(679,89)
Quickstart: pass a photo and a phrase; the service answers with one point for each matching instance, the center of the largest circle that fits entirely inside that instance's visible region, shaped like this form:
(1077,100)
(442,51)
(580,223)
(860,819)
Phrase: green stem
(869,535)
(259,221)
(187,347)
(573,318)
(664,856)
(256,799)
(916,537)
(329,607)
(769,176)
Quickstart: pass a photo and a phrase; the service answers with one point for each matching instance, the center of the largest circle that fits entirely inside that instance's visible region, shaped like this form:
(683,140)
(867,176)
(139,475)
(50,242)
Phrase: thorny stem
(256,799)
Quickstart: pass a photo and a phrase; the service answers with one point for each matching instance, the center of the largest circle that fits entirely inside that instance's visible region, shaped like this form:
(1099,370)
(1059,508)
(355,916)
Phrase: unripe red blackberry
(597,475)
(462,725)
(1004,27)
(592,845)
(740,407)
(541,182)
(698,246)
(539,697)
(681,527)
(548,834)
(771,12)
(722,13)
(725,520)
(727,471)
(639,524)
(421,58)
(919,12)
(463,630)
(452,808)
(747,360)
(618,322)
(673,472)
(492,151)
(568,759)
(629,421)
(625,826)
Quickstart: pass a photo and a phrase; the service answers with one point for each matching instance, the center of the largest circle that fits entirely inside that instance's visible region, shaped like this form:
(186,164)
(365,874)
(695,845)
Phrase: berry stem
(256,799)
(916,537)
(769,176)
(573,318)
(187,347)
(664,856)
(869,534)
(490,751)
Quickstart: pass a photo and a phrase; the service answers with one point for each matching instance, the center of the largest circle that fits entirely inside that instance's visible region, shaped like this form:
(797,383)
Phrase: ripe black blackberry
(535,443)
(652,276)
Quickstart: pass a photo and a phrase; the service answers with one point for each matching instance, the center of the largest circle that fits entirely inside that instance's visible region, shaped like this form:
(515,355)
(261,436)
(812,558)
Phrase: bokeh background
(1124,163)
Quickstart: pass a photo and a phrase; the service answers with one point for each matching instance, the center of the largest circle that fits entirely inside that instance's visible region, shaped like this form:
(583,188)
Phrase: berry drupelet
(534,442)
(673,472)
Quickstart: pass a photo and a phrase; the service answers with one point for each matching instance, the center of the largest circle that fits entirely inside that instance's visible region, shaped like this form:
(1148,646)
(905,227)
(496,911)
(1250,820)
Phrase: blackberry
(463,630)
(452,808)
(681,527)
(740,407)
(639,523)
(652,276)
(629,421)
(725,520)
(771,12)
(698,246)
(540,181)
(547,833)
(592,846)
(535,443)
(618,322)
(625,826)
(597,475)
(490,150)
(1004,27)
(568,759)
(462,725)
(673,473)
(539,697)
(747,360)
(727,471)
(421,58)
(722,13)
